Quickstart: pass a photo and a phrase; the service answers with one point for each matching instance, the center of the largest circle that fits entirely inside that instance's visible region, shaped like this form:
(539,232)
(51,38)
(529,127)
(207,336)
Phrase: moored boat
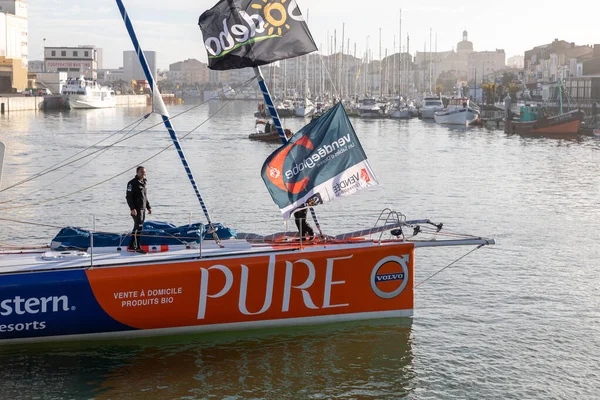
(431,104)
(207,281)
(535,120)
(458,112)
(82,93)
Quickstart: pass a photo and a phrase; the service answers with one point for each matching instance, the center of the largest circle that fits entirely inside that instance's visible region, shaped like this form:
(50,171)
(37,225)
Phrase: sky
(171,27)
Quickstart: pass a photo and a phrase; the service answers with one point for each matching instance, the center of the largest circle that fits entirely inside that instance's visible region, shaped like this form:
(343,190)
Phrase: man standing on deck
(137,200)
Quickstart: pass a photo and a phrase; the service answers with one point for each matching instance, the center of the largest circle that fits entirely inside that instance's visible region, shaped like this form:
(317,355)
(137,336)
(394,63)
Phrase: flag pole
(158,103)
(277,122)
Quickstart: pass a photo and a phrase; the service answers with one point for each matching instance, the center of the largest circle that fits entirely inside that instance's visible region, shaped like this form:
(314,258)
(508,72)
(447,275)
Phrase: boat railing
(389,217)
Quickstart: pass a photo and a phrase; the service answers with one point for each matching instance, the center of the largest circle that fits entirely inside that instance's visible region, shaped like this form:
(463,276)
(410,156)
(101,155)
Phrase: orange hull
(569,127)
(563,124)
(257,291)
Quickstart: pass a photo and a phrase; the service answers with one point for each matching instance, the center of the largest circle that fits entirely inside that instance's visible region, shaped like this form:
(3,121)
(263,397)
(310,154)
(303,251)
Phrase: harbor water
(517,320)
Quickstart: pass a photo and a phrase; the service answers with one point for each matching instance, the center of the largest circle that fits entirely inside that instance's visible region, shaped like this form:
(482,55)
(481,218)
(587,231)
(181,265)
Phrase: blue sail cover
(250,33)
(322,161)
(154,233)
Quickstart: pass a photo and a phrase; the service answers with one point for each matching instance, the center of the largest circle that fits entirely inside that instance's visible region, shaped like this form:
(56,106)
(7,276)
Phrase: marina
(373,229)
(460,308)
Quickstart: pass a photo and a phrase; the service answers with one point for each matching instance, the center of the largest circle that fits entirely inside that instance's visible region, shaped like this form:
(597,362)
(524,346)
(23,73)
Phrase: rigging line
(45,171)
(448,266)
(76,169)
(29,223)
(329,76)
(115,176)
(57,166)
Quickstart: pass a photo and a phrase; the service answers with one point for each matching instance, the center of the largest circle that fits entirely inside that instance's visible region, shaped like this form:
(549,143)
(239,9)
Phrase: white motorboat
(82,93)
(431,104)
(369,108)
(459,112)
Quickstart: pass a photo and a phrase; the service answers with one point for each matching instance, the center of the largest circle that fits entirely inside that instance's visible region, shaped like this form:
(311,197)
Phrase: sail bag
(322,161)
(250,33)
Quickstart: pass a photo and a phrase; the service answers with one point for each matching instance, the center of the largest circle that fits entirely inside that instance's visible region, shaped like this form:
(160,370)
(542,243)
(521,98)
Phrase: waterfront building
(516,61)
(14,31)
(188,72)
(484,65)
(75,61)
(132,70)
(36,66)
(108,76)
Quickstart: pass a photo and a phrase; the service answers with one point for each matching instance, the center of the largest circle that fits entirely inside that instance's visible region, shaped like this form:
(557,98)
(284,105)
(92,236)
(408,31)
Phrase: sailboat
(215,280)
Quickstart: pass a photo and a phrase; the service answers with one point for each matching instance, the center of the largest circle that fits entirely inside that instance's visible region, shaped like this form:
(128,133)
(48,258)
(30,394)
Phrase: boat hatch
(64,255)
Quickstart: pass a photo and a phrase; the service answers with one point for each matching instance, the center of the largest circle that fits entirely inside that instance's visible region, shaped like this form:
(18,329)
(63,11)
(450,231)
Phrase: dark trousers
(138,223)
(303,227)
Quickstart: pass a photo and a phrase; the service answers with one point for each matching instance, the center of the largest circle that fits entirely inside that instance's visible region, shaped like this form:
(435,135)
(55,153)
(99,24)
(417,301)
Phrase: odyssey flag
(250,33)
(322,161)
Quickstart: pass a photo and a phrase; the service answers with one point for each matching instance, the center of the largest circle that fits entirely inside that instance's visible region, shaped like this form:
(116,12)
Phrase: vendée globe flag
(250,33)
(322,161)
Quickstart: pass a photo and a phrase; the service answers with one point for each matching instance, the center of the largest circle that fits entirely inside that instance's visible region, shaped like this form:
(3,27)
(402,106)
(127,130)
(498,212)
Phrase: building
(13,76)
(132,69)
(516,62)
(36,66)
(75,61)
(435,64)
(483,65)
(107,76)
(14,31)
(188,72)
(545,63)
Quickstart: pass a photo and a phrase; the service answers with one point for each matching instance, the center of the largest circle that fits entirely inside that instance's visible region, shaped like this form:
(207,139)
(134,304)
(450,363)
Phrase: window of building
(53,53)
(63,69)
(75,54)
(63,53)
(86,53)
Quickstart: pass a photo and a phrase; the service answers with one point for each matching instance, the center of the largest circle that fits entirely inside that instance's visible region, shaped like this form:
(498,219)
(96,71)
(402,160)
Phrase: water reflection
(366,360)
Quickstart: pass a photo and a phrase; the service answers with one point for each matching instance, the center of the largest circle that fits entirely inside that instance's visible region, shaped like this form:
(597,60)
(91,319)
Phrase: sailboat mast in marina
(83,286)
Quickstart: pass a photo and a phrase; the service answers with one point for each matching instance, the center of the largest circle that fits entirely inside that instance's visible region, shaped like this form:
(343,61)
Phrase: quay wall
(54,102)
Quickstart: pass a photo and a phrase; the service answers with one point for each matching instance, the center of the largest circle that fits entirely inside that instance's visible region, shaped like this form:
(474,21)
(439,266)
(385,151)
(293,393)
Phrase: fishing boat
(536,120)
(204,277)
(458,112)
(82,93)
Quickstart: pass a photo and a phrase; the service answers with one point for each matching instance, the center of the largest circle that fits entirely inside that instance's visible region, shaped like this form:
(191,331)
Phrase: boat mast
(400,63)
(560,92)
(159,105)
(277,122)
(394,68)
(430,63)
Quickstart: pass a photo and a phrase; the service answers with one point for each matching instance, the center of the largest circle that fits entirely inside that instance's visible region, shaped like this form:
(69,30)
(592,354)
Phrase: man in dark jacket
(137,200)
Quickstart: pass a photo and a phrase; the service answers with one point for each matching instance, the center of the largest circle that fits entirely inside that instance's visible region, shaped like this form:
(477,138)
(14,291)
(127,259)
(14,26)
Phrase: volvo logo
(390,276)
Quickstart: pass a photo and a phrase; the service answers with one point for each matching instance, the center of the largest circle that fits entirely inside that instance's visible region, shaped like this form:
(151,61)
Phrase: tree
(507,78)
(489,90)
(513,88)
(438,89)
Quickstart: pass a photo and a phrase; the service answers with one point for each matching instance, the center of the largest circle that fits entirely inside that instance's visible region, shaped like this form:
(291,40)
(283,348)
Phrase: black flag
(249,33)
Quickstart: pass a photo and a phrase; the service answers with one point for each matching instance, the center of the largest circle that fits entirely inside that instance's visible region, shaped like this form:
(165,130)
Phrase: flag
(321,162)
(249,33)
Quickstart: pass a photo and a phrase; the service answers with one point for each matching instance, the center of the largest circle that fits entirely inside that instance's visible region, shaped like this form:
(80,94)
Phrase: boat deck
(46,259)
